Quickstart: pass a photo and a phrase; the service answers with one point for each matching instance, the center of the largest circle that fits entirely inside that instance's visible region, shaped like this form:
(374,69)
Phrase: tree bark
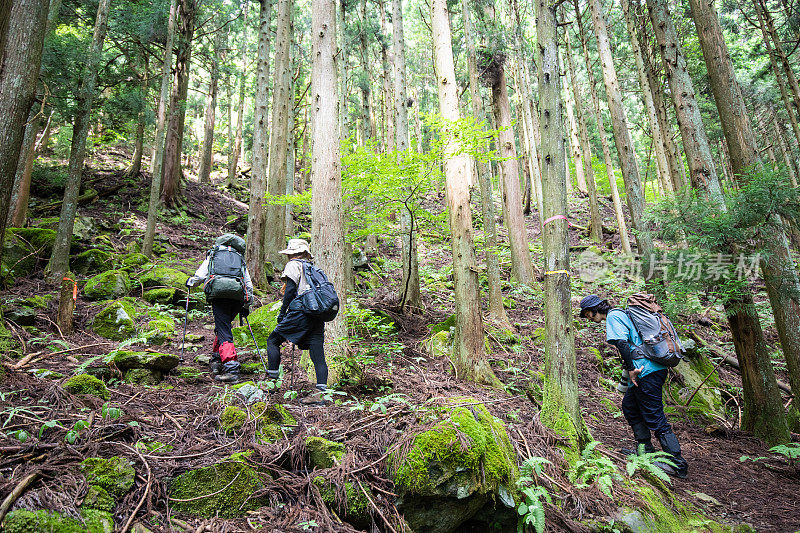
(59,258)
(255,253)
(237,146)
(207,151)
(574,146)
(780,274)
(468,354)
(386,95)
(779,51)
(21,44)
(172,173)
(18,210)
(622,225)
(327,226)
(560,408)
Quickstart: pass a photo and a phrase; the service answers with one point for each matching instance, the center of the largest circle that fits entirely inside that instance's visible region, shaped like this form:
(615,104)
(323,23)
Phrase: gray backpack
(226,270)
(661,342)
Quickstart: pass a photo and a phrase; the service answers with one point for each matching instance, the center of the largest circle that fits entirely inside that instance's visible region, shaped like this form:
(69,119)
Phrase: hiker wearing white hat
(294,325)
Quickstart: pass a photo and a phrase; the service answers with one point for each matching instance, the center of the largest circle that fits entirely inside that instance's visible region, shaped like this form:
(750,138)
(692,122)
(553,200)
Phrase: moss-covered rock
(24,247)
(6,338)
(161,276)
(161,362)
(232,419)
(116,321)
(40,301)
(24,521)
(354,507)
(159,331)
(229,486)
(438,344)
(90,262)
(142,376)
(98,498)
(108,285)
(43,373)
(707,401)
(263,320)
(445,325)
(453,469)
(86,384)
(134,259)
(270,420)
(324,453)
(114,474)
(165,295)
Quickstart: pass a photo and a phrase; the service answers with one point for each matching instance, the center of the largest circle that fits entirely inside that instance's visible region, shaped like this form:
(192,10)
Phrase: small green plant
(20,434)
(49,425)
(790,451)
(647,463)
(305,526)
(594,468)
(111,412)
(531,510)
(290,395)
(74,434)
(381,402)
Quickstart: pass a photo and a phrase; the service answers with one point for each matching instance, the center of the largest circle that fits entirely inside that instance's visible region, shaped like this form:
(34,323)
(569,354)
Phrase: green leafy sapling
(531,509)
(592,468)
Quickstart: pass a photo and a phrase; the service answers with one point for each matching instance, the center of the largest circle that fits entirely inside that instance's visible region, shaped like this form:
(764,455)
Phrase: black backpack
(320,299)
(226,269)
(661,342)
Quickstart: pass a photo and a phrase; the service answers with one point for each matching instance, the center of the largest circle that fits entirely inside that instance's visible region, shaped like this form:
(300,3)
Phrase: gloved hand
(192,281)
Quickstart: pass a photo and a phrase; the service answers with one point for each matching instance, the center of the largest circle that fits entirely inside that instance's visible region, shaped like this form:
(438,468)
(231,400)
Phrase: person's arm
(248,284)
(289,294)
(199,276)
(625,351)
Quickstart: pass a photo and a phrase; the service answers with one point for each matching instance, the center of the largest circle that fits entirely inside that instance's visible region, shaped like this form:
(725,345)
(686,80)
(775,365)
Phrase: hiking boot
(229,372)
(215,364)
(642,435)
(669,443)
(315,398)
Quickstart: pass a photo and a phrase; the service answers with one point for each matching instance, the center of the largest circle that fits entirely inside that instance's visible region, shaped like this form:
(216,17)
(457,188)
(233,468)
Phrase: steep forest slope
(119,425)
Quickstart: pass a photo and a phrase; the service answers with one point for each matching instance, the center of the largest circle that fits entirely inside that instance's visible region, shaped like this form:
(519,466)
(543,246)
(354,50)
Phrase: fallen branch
(17,492)
(25,360)
(146,488)
(206,495)
(385,520)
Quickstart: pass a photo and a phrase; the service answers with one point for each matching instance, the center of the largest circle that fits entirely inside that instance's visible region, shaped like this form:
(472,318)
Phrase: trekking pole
(291,384)
(185,320)
(254,342)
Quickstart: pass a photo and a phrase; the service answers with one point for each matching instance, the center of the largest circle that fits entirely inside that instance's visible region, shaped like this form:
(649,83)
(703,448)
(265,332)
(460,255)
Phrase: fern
(531,510)
(648,463)
(594,468)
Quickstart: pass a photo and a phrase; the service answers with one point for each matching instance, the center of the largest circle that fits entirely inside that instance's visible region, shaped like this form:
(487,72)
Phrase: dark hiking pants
(313,342)
(224,313)
(644,404)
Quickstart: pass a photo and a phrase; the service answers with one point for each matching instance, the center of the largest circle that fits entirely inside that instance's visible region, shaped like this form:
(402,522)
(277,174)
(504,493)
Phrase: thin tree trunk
(560,408)
(255,253)
(341,65)
(237,147)
(780,274)
(207,151)
(327,221)
(787,156)
(21,42)
(138,148)
(776,41)
(172,173)
(386,95)
(574,146)
(468,355)
(366,110)
(612,177)
(20,196)
(59,258)
(290,151)
(595,222)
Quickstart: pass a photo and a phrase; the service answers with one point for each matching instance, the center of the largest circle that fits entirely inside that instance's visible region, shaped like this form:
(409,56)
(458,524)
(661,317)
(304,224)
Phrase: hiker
(642,403)
(296,326)
(229,289)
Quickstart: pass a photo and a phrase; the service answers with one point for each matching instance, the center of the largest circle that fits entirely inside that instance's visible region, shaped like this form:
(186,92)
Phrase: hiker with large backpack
(229,290)
(649,346)
(308,302)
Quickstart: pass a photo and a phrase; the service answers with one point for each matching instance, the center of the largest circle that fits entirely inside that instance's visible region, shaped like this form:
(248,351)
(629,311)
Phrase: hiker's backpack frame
(226,275)
(660,341)
(319,299)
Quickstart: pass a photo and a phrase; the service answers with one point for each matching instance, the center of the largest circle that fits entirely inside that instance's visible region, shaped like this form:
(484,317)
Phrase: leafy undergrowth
(167,428)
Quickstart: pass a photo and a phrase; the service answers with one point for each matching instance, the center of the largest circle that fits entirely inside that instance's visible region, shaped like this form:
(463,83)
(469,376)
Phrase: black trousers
(313,342)
(644,404)
(224,313)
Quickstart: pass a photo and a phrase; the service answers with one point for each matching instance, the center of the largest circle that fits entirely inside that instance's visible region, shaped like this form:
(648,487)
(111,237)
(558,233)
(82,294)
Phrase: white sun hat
(297,246)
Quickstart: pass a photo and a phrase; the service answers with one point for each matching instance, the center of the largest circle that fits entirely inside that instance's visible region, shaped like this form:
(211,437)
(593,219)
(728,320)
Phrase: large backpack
(226,269)
(320,298)
(661,342)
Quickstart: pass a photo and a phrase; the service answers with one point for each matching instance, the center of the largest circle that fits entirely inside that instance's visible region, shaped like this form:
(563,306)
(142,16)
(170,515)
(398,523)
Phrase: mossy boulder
(6,338)
(707,401)
(24,247)
(24,521)
(270,420)
(438,344)
(114,474)
(354,507)
(263,320)
(444,325)
(232,419)
(159,331)
(108,285)
(324,453)
(90,262)
(165,295)
(454,469)
(116,321)
(98,498)
(229,484)
(161,362)
(86,384)
(161,276)
(134,259)
(142,376)
(21,315)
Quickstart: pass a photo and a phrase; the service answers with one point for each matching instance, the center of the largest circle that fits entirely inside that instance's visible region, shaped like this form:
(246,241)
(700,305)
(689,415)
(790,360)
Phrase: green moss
(324,453)
(469,445)
(153,446)
(232,419)
(134,259)
(7,342)
(142,376)
(90,262)
(273,413)
(555,416)
(355,508)
(115,474)
(164,277)
(189,373)
(40,301)
(161,362)
(263,320)
(98,498)
(238,480)
(445,325)
(23,247)
(165,295)
(23,521)
(116,321)
(253,367)
(43,373)
(86,384)
(108,285)
(666,512)
(438,344)
(159,331)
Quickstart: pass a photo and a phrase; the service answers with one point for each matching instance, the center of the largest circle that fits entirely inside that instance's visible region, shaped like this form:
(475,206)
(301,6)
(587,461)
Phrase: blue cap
(589,302)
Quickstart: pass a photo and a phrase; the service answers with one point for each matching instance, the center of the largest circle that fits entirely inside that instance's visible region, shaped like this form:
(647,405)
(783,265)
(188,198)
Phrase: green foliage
(790,451)
(646,462)
(531,509)
(592,467)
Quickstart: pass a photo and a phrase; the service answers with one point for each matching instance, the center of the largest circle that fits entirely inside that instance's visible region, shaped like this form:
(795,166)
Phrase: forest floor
(372,417)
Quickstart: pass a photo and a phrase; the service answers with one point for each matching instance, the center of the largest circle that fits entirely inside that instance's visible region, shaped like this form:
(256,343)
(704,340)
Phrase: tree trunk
(574,146)
(160,136)
(237,146)
(560,409)
(275,215)
(172,174)
(787,156)
(388,124)
(468,355)
(612,177)
(207,151)
(341,65)
(780,274)
(255,253)
(59,258)
(521,265)
(595,222)
(21,42)
(18,210)
(497,313)
(327,221)
(776,41)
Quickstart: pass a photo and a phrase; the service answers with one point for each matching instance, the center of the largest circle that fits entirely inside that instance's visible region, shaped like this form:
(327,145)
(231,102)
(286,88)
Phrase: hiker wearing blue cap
(642,404)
